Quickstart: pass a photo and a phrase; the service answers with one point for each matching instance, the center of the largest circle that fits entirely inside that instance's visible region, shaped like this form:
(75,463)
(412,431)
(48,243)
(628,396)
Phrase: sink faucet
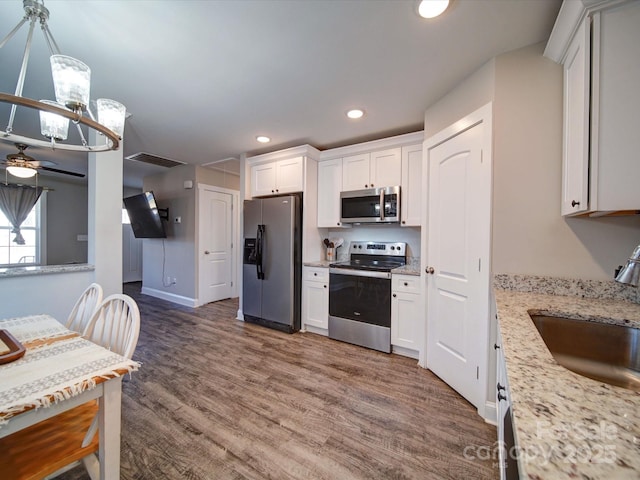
(630,273)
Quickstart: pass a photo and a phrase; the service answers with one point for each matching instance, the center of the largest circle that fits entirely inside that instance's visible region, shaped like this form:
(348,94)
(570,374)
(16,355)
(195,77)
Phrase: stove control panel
(379,248)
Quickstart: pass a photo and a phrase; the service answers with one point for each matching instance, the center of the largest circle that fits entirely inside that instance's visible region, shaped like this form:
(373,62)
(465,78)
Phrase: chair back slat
(115,325)
(84,308)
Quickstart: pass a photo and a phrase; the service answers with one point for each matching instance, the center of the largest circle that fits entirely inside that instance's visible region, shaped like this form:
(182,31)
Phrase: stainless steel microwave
(373,205)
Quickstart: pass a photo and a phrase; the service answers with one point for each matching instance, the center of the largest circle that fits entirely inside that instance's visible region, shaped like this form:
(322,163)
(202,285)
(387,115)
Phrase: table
(60,371)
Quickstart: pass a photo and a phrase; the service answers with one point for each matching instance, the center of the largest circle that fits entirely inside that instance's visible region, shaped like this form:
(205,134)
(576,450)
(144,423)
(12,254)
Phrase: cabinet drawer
(316,274)
(405,283)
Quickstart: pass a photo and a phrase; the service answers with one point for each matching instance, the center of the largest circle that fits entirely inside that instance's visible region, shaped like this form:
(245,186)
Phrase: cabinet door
(263,179)
(405,320)
(289,175)
(355,172)
(329,187)
(411,187)
(575,157)
(315,304)
(385,168)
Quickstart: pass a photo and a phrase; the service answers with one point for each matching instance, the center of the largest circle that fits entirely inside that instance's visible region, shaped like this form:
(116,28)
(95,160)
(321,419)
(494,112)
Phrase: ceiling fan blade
(65,172)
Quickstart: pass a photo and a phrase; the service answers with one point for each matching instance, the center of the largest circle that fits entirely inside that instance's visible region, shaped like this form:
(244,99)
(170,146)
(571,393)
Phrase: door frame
(483,115)
(235,237)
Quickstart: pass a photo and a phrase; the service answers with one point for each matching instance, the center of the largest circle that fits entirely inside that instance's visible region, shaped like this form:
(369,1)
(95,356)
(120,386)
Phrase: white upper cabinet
(355,172)
(369,170)
(329,187)
(282,176)
(411,186)
(385,169)
(597,46)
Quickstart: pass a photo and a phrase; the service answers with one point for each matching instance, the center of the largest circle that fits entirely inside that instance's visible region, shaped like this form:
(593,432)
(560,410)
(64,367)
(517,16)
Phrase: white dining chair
(84,308)
(53,446)
(115,324)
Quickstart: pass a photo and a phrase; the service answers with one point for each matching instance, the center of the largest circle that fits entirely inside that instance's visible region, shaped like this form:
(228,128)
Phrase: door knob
(430,270)
(574,203)
(207,252)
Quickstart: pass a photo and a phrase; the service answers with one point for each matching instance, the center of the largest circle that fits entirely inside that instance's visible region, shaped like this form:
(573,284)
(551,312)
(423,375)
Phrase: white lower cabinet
(315,299)
(407,315)
(506,437)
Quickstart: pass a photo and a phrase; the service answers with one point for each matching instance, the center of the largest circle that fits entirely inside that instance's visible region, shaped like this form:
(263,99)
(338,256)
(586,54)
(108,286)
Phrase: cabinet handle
(403,222)
(406,284)
(499,387)
(372,185)
(501,397)
(496,346)
(338,223)
(394,295)
(315,274)
(429,270)
(325,286)
(366,186)
(272,191)
(574,203)
(277,190)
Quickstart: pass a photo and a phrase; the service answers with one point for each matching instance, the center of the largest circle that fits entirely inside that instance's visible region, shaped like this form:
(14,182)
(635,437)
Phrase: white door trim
(235,216)
(483,241)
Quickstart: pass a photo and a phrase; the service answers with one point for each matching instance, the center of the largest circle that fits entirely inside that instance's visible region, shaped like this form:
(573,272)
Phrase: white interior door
(215,243)
(131,255)
(458,254)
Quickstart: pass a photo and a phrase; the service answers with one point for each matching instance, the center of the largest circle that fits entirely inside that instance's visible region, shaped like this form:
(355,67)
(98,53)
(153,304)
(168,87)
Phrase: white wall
(529,235)
(176,256)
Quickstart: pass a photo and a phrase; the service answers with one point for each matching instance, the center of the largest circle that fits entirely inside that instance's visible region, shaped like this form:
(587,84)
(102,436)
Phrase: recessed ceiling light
(432,8)
(263,139)
(355,113)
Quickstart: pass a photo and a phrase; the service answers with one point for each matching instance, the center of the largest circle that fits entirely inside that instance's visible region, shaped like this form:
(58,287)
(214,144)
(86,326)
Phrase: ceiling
(201,79)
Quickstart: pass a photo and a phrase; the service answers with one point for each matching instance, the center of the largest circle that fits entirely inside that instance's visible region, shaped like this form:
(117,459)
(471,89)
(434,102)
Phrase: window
(12,254)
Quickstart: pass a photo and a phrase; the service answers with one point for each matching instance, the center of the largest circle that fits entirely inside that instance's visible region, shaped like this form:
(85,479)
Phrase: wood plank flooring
(220,399)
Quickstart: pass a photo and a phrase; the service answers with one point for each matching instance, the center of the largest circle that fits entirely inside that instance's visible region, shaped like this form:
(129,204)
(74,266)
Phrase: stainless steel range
(360,294)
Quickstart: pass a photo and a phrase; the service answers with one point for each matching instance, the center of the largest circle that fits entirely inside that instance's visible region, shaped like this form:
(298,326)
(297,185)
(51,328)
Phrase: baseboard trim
(316,330)
(405,352)
(490,413)
(170,297)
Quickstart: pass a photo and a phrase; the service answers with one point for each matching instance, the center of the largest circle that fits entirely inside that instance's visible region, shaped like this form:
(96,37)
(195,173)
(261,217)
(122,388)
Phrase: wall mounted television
(145,216)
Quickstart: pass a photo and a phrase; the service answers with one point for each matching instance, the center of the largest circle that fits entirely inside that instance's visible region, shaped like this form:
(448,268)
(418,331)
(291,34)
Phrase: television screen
(144,216)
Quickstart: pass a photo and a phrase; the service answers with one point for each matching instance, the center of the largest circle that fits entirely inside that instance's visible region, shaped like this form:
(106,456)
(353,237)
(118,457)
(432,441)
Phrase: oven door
(374,205)
(361,296)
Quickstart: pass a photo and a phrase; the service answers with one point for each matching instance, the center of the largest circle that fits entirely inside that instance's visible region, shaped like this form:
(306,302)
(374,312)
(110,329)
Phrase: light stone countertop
(321,263)
(45,270)
(566,425)
(409,269)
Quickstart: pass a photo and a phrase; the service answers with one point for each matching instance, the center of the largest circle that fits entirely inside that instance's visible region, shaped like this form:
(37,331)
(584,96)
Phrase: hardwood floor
(220,399)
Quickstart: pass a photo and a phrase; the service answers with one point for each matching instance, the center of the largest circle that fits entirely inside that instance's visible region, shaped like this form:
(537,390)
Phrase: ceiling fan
(28,166)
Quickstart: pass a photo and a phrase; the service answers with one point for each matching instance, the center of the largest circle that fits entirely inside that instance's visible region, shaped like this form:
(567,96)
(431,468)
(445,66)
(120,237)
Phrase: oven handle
(382,204)
(360,273)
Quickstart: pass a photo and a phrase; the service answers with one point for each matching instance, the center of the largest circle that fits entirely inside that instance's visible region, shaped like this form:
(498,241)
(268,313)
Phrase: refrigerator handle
(259,236)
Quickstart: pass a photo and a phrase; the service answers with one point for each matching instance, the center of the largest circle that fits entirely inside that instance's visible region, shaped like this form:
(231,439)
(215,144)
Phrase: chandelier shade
(53,125)
(111,114)
(71,85)
(71,80)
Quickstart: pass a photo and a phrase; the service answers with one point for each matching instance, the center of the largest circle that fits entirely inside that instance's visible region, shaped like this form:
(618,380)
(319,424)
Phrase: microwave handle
(382,205)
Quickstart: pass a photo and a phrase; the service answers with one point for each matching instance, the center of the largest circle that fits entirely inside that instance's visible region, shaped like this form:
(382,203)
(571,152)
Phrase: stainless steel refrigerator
(272,262)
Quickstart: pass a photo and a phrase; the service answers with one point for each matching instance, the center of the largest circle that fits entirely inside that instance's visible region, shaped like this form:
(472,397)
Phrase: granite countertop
(409,269)
(45,270)
(566,425)
(320,263)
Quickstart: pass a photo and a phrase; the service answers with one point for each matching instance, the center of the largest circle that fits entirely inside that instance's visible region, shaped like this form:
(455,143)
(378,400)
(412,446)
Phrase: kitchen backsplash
(378,233)
(566,287)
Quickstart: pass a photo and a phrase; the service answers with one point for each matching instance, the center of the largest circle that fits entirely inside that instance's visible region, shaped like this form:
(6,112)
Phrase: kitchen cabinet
(329,188)
(278,177)
(369,170)
(597,46)
(315,299)
(411,186)
(508,463)
(407,317)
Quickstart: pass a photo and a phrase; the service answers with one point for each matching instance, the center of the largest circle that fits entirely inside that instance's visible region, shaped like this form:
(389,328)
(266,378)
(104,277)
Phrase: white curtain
(16,202)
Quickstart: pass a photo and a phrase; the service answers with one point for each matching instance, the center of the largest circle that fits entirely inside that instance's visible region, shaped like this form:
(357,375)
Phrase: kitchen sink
(603,352)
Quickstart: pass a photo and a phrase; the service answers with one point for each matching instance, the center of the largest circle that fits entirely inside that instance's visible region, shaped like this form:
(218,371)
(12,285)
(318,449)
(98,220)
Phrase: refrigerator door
(280,248)
(251,284)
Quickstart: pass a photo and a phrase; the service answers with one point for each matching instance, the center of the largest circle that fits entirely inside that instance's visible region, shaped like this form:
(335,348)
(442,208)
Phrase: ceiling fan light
(432,8)
(111,114)
(53,125)
(71,81)
(22,172)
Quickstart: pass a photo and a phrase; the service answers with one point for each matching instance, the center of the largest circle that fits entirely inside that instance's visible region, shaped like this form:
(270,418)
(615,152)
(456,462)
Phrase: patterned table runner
(34,327)
(54,372)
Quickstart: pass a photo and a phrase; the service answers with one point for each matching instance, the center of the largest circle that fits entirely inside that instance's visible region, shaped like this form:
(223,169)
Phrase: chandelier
(71,81)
